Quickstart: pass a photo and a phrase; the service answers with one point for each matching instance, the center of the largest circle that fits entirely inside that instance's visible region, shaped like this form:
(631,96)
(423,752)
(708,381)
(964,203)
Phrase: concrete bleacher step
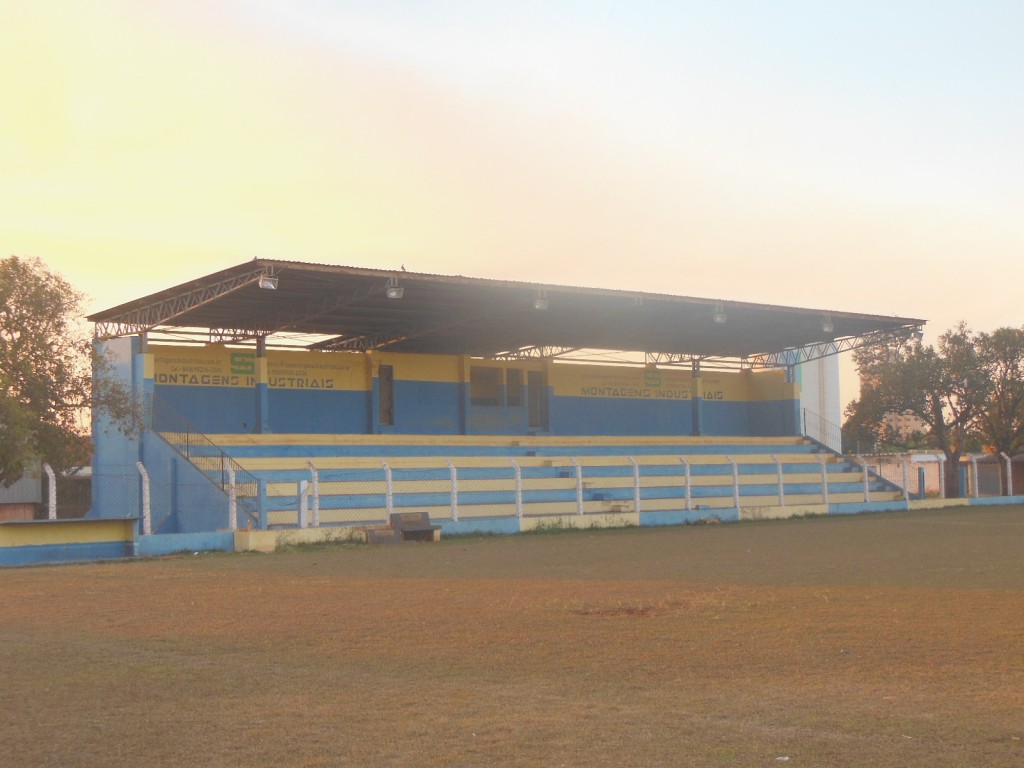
(352,475)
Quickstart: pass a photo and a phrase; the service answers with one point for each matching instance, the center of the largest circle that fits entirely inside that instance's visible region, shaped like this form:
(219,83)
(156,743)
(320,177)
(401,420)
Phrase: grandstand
(287,394)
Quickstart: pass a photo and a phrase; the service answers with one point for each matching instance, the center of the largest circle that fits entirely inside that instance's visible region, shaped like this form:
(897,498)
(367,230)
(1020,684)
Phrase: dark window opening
(485,385)
(514,387)
(538,405)
(386,384)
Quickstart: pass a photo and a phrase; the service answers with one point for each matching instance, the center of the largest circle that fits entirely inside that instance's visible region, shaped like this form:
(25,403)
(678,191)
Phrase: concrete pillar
(262,387)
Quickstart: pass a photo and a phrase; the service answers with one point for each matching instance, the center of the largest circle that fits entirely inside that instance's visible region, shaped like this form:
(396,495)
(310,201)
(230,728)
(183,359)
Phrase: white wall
(819,396)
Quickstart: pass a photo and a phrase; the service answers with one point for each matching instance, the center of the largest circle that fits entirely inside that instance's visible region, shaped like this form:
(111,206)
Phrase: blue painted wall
(116,487)
(182,499)
(494,420)
(426,408)
(774,418)
(721,418)
(319,412)
(430,400)
(620,416)
(211,410)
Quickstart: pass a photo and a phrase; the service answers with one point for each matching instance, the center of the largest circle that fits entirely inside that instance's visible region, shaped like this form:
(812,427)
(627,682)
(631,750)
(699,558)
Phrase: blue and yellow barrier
(61,541)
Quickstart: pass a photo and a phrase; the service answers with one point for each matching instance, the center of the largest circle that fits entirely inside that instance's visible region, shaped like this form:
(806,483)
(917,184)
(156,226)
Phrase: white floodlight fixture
(827,326)
(541,300)
(268,283)
(720,317)
(393,289)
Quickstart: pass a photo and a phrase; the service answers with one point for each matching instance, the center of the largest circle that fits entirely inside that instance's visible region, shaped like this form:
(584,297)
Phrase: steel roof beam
(148,317)
(528,353)
(805,354)
(355,343)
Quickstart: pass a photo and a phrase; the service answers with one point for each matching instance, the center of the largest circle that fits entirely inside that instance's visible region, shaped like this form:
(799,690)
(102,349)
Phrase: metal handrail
(205,455)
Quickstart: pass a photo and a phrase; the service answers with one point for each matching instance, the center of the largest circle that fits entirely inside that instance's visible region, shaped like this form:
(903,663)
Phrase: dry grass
(880,640)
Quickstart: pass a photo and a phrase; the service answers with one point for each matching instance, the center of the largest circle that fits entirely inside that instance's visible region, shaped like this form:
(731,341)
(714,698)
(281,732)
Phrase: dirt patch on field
(881,640)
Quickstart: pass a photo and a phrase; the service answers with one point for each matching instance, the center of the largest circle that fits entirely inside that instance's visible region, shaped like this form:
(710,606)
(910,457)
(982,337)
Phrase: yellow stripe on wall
(42,532)
(219,366)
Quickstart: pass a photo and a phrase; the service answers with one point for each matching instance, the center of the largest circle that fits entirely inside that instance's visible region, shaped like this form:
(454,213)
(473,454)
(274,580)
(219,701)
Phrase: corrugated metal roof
(441,314)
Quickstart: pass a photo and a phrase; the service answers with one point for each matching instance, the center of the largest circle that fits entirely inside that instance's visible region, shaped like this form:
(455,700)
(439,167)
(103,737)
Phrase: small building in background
(20,500)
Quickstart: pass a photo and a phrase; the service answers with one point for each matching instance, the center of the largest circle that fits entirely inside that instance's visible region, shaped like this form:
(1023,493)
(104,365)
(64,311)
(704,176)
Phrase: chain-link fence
(180,498)
(922,474)
(552,487)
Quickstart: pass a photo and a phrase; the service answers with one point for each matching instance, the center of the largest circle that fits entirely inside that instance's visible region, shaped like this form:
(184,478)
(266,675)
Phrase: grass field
(880,640)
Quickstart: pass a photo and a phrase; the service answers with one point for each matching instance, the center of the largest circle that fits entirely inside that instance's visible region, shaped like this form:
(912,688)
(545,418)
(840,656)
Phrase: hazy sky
(864,156)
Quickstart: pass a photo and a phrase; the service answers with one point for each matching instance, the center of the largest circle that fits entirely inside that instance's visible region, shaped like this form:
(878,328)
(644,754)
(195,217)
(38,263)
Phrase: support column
(796,428)
(143,385)
(262,387)
(697,403)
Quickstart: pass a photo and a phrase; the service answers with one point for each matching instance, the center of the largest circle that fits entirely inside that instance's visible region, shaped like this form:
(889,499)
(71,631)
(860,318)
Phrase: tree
(47,362)
(945,386)
(1000,422)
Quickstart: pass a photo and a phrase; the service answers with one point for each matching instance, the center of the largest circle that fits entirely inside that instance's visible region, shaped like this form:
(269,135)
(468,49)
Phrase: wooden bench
(415,526)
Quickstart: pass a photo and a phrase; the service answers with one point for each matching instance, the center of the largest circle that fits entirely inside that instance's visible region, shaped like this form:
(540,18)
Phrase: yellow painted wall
(409,367)
(216,365)
(727,387)
(771,385)
(219,366)
(609,381)
(47,532)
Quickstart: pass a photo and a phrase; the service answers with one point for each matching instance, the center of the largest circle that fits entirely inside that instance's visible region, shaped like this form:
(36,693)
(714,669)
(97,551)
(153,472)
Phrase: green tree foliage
(946,386)
(46,373)
(1000,423)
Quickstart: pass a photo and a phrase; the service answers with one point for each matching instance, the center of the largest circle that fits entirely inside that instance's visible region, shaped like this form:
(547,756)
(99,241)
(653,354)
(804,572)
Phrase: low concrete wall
(36,542)
(609,520)
(267,541)
(781,513)
(61,541)
(684,517)
(988,501)
(172,543)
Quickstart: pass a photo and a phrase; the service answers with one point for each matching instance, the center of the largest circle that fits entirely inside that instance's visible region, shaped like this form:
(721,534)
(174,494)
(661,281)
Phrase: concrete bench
(415,526)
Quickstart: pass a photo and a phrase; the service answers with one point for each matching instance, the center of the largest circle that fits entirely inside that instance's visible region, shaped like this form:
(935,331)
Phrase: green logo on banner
(243,363)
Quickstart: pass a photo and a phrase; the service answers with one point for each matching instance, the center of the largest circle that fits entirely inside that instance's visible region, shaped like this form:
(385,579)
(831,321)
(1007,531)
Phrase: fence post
(519,488)
(906,478)
(454,472)
(977,478)
(389,492)
(686,474)
(824,477)
(942,477)
(1009,474)
(920,483)
(579,486)
(778,472)
(636,485)
(867,484)
(51,497)
(263,503)
(147,518)
(735,482)
(232,500)
(303,503)
(316,494)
